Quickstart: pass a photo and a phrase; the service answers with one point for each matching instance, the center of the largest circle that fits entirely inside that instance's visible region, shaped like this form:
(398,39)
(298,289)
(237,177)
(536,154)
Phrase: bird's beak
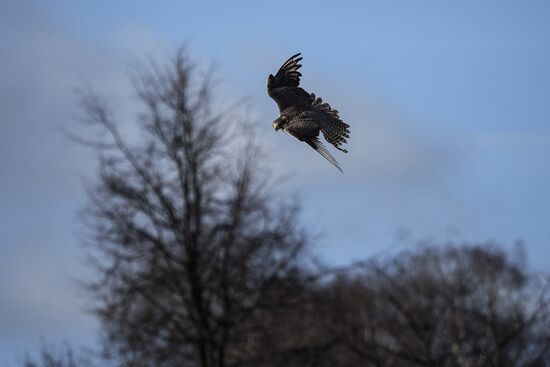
(276,126)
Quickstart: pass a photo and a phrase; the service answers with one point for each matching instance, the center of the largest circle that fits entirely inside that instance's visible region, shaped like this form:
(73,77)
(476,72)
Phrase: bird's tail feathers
(335,131)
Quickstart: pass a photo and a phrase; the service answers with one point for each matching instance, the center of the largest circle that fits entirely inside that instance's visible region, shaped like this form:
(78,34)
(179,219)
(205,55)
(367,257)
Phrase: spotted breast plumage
(302,114)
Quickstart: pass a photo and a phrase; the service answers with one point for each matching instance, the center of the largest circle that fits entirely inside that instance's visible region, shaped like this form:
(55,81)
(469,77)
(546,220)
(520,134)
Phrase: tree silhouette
(64,356)
(189,241)
(200,265)
(440,306)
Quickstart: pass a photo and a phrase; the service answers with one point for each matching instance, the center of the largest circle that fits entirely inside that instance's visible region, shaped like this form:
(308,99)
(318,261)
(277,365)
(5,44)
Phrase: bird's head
(278,123)
(270,79)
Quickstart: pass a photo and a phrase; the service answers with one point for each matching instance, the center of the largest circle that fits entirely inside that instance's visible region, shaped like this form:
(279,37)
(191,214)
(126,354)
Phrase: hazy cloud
(40,187)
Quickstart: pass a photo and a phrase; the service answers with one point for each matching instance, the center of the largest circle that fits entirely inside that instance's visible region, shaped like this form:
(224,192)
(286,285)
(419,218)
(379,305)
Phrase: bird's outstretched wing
(305,127)
(284,86)
(288,74)
(316,144)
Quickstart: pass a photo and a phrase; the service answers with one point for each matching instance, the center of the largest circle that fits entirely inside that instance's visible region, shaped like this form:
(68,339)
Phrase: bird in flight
(302,114)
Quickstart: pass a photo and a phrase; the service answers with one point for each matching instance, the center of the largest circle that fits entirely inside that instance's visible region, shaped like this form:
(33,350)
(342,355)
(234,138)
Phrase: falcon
(302,114)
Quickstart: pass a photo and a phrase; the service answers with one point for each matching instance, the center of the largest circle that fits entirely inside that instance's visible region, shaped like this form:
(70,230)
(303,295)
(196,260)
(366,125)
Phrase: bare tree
(454,306)
(200,265)
(188,238)
(60,356)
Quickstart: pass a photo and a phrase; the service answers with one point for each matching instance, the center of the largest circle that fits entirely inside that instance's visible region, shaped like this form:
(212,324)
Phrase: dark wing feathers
(323,106)
(334,130)
(288,74)
(284,86)
(308,114)
(306,129)
(316,144)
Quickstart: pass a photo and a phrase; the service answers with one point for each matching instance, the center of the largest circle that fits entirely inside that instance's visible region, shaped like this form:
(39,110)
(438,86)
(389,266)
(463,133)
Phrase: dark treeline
(199,263)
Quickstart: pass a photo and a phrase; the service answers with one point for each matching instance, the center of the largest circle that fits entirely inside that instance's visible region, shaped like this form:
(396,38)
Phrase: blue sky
(447,102)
